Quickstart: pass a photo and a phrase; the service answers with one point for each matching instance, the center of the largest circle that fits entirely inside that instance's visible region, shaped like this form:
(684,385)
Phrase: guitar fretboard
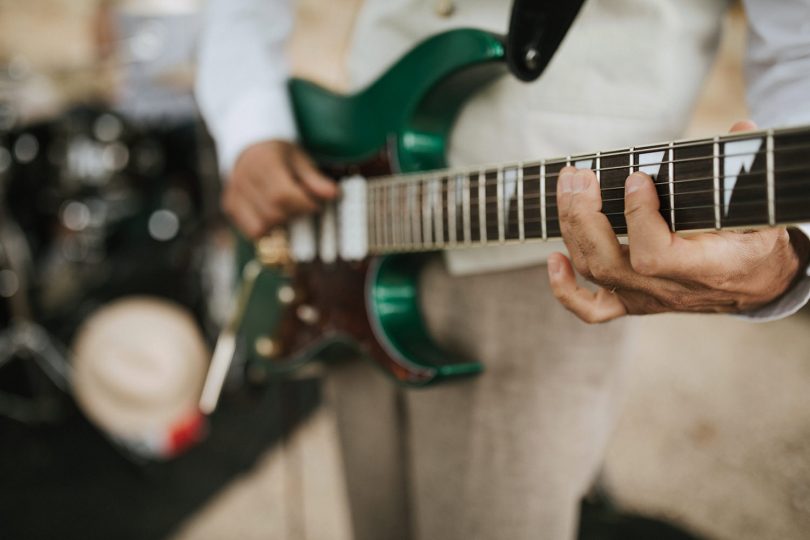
(733,181)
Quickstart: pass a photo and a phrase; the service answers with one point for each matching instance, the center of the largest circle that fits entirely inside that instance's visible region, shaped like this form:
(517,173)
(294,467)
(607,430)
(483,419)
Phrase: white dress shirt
(243,69)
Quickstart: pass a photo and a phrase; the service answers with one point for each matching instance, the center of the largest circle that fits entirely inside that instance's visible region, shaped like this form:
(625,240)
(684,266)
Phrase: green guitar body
(400,123)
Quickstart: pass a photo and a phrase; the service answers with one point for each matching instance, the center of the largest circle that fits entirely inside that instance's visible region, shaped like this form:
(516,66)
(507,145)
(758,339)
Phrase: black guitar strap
(536,29)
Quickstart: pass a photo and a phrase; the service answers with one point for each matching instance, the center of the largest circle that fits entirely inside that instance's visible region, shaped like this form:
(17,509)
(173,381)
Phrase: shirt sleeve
(777,68)
(777,62)
(242,74)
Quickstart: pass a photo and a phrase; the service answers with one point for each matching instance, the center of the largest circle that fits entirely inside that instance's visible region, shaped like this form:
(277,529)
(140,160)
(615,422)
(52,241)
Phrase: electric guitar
(352,274)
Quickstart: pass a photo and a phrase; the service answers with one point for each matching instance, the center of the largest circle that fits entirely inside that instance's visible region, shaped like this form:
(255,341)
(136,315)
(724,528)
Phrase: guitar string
(555,216)
(472,172)
(619,153)
(553,235)
(444,189)
(551,196)
(551,220)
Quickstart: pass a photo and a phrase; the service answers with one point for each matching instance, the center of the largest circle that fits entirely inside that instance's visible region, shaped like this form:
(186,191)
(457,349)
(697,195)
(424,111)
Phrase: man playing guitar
(509,454)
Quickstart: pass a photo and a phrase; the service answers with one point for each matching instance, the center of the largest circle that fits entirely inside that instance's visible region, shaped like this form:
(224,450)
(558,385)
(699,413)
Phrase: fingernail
(581,181)
(553,267)
(566,181)
(634,182)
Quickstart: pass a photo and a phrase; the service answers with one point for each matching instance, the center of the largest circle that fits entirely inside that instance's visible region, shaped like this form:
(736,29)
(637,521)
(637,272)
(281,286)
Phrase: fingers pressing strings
(591,307)
(589,237)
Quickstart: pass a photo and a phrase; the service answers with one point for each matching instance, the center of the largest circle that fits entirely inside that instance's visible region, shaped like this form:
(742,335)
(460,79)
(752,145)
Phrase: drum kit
(103,296)
(116,266)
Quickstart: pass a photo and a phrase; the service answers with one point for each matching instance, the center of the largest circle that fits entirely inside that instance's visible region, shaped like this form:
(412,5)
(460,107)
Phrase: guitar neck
(734,181)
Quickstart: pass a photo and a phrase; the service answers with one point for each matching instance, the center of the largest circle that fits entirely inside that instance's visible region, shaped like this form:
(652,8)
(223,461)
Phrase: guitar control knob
(308,314)
(286,294)
(265,347)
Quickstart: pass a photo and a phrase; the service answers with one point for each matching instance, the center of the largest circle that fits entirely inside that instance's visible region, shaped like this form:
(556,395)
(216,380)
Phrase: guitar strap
(536,29)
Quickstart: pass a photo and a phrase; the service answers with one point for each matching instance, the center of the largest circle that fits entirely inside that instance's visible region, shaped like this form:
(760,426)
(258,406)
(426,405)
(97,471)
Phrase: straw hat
(138,368)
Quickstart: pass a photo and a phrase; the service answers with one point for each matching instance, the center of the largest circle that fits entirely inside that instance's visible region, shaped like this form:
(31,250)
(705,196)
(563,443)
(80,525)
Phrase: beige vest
(628,73)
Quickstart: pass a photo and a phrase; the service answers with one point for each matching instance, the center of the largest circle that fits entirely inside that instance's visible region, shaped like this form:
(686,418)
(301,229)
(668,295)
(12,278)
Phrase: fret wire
(482,218)
(716,180)
(709,156)
(451,211)
(416,218)
(622,230)
(377,213)
(389,225)
(543,210)
(436,198)
(402,217)
(407,226)
(407,237)
(390,231)
(671,187)
(386,218)
(392,200)
(521,225)
(706,191)
(681,182)
(427,231)
(500,196)
(376,209)
(712,191)
(704,178)
(598,169)
(389,216)
(402,210)
(709,191)
(369,216)
(465,195)
(693,207)
(381,212)
(402,214)
(630,154)
(685,160)
(404,177)
(769,168)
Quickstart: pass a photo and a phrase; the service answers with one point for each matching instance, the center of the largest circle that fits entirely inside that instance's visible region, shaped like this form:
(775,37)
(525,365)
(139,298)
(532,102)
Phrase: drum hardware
(225,348)
(26,341)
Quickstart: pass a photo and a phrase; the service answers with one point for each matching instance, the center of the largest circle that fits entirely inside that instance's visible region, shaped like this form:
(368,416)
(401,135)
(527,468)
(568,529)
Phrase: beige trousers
(504,455)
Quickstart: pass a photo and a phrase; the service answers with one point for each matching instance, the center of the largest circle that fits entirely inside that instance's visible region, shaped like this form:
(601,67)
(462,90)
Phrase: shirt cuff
(260,114)
(790,302)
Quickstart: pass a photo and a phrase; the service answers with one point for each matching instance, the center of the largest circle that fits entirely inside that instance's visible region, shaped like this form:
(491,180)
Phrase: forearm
(242,76)
(778,90)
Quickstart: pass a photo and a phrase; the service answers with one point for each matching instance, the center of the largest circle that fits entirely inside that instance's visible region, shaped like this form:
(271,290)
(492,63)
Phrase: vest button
(444,8)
